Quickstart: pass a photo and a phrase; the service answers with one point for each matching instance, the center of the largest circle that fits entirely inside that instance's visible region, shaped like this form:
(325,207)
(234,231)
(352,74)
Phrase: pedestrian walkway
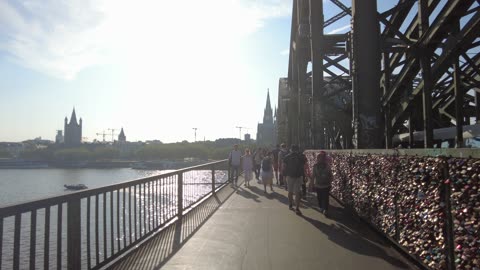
(253,230)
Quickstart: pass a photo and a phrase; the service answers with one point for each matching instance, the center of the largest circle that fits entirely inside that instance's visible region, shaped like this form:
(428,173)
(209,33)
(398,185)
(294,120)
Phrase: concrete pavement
(253,230)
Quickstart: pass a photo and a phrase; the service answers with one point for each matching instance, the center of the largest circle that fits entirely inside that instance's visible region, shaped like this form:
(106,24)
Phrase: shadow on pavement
(352,239)
(245,192)
(158,249)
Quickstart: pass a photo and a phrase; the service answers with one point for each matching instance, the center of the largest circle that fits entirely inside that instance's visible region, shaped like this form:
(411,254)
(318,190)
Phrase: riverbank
(99,164)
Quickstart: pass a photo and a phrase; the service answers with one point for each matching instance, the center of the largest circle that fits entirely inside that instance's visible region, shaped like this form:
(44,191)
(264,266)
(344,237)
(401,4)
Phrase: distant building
(266,130)
(247,137)
(121,137)
(59,137)
(73,131)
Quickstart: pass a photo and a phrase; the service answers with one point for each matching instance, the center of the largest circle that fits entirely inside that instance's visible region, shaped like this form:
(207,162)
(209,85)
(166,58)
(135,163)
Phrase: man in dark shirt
(294,164)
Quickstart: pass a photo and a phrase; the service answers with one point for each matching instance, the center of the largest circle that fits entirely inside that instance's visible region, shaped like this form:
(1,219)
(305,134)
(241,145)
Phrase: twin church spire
(73,130)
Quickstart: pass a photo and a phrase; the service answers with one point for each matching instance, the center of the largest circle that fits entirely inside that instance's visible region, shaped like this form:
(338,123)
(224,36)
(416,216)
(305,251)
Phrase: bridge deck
(251,230)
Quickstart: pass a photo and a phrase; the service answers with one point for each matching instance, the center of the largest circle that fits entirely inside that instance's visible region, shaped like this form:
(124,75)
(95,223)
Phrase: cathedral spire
(268,100)
(267,114)
(73,118)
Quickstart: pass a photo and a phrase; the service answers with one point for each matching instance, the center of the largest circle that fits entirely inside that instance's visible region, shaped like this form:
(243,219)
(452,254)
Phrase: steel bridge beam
(317,53)
(367,121)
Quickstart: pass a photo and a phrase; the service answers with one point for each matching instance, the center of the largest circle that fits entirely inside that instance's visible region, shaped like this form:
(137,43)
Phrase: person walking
(234,159)
(275,153)
(247,165)
(307,178)
(281,154)
(322,182)
(267,170)
(294,170)
(257,160)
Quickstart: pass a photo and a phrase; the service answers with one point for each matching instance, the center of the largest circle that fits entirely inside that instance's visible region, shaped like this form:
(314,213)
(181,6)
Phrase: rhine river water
(21,185)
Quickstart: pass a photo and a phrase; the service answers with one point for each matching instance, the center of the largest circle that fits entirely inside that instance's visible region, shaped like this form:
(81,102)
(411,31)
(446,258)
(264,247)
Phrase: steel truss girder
(396,21)
(468,71)
(436,32)
(326,63)
(466,36)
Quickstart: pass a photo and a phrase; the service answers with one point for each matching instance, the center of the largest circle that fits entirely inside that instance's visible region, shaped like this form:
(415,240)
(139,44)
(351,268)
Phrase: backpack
(266,165)
(295,165)
(322,176)
(275,153)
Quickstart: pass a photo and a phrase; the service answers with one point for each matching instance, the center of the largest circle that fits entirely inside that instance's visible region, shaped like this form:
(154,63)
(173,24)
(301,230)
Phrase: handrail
(102,223)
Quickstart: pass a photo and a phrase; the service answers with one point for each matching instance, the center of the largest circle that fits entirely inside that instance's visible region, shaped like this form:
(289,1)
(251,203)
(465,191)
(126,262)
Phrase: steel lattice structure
(408,74)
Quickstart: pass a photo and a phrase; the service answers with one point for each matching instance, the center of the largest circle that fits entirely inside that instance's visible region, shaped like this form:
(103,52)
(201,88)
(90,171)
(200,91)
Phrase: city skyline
(158,74)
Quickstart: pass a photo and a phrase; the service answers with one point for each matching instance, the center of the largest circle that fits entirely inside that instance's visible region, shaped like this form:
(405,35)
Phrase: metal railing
(89,229)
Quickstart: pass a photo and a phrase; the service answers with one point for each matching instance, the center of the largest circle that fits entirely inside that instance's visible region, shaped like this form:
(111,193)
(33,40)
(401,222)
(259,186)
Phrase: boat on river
(75,187)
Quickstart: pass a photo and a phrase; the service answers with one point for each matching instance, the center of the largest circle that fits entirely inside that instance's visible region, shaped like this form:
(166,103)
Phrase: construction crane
(195,133)
(103,134)
(113,133)
(240,131)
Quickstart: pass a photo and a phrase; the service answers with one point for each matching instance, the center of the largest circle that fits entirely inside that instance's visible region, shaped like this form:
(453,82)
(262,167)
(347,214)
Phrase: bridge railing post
(230,177)
(448,227)
(180,195)
(397,218)
(74,234)
(213,178)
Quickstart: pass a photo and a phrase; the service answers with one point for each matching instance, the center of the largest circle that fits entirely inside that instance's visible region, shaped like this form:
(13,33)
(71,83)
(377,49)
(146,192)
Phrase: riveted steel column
(367,116)
(317,51)
(386,109)
(458,97)
(411,140)
(426,75)
(301,104)
(477,106)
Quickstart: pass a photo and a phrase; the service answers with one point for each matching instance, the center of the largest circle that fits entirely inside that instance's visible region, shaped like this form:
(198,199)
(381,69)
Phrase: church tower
(121,137)
(265,130)
(73,130)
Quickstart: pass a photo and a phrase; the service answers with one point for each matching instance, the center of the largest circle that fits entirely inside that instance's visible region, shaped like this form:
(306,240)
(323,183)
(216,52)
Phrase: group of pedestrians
(261,162)
(290,170)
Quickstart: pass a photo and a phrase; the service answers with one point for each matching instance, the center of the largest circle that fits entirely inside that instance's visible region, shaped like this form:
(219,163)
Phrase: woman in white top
(247,163)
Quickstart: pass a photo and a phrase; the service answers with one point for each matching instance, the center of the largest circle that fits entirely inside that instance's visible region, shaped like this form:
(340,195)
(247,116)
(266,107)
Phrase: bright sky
(157,68)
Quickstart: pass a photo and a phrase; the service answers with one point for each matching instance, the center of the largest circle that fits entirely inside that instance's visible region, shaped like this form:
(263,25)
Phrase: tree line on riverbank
(158,151)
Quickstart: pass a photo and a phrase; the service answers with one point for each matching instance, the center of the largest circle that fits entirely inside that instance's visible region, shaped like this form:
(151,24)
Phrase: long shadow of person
(247,194)
(352,240)
(270,195)
(280,198)
(348,219)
